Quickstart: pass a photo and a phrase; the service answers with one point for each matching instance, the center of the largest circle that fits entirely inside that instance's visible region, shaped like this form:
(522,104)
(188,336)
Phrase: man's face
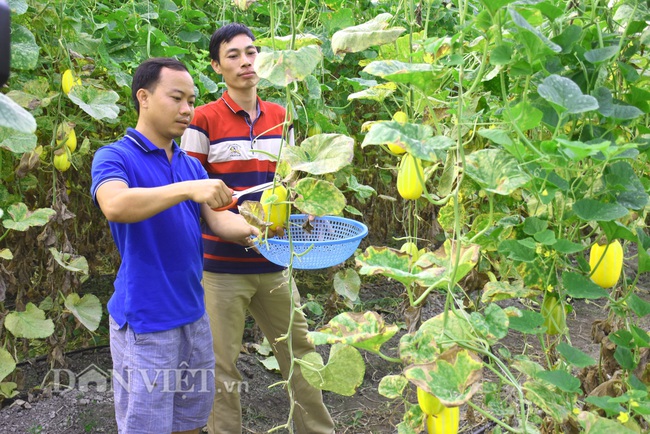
(236,60)
(170,106)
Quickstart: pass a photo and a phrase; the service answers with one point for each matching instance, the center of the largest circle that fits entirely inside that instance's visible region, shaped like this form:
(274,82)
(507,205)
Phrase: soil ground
(42,410)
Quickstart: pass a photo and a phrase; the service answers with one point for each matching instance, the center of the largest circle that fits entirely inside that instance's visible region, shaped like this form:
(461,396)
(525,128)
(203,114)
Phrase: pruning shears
(237,194)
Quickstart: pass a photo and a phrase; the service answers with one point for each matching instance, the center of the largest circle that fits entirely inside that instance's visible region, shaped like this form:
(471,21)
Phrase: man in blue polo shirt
(154,195)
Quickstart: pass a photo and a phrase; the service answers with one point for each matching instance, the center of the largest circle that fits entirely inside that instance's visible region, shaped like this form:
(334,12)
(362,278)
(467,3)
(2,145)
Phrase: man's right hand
(212,192)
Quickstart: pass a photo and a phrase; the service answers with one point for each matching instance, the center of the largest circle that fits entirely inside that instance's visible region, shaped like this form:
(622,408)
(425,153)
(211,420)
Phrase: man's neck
(246,99)
(154,137)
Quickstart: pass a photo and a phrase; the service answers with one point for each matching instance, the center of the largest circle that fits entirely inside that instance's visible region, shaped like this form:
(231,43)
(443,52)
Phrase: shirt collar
(139,139)
(232,105)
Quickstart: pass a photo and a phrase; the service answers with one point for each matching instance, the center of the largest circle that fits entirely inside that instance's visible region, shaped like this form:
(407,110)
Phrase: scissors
(237,194)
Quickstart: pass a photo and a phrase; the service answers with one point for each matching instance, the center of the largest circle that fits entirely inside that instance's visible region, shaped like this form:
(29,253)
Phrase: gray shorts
(163,382)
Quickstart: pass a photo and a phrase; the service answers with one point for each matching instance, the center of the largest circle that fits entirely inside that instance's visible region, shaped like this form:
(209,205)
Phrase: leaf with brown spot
(361,330)
(454,377)
(253,213)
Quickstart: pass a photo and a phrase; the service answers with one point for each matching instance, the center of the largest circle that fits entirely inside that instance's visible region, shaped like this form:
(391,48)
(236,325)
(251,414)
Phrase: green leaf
(392,386)
(547,398)
(24,49)
(564,93)
(639,306)
(375,93)
(534,225)
(46,304)
(284,42)
(17,142)
(271,364)
(23,219)
(498,136)
(612,407)
(321,154)
(360,190)
(286,66)
(390,263)
(417,74)
(317,197)
(16,118)
(550,11)
(494,5)
(87,309)
(521,22)
(454,377)
(574,356)
(347,284)
(435,335)
(562,380)
(6,254)
(419,347)
(189,36)
(616,230)
(502,54)
(525,116)
(432,269)
(579,286)
(517,250)
(495,171)
(504,290)
(496,321)
(625,358)
(362,330)
(8,364)
(415,139)
(577,150)
(641,338)
(567,247)
(207,82)
(98,103)
(30,324)
(85,44)
(591,209)
(629,190)
(607,106)
(358,38)
(74,263)
(18,7)
(599,55)
(623,338)
(339,19)
(8,389)
(342,374)
(313,88)
(413,420)
(643,244)
(568,38)
(528,323)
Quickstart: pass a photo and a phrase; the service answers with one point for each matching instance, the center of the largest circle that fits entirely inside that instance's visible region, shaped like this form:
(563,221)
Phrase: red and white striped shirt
(223,137)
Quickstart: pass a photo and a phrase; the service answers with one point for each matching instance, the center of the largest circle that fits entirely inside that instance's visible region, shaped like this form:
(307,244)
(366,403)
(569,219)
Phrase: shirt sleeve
(108,165)
(195,140)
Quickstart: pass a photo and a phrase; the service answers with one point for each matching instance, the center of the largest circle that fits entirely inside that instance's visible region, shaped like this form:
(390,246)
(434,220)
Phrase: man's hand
(229,226)
(212,192)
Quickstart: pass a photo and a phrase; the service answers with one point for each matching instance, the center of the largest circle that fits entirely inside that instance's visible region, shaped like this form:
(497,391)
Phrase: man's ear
(143,97)
(215,66)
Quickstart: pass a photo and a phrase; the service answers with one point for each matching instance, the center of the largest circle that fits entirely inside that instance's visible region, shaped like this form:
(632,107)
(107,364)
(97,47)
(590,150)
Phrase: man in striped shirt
(225,136)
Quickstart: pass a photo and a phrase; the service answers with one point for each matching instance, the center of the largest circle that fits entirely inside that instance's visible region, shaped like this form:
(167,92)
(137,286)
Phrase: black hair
(226,34)
(147,75)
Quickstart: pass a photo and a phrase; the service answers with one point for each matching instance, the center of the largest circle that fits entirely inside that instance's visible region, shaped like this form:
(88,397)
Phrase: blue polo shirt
(158,285)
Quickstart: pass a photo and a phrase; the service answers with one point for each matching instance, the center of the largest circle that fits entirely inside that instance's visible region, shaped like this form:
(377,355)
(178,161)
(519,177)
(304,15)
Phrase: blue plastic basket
(331,242)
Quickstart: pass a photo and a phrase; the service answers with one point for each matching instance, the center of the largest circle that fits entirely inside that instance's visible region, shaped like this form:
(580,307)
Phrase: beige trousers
(268,298)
